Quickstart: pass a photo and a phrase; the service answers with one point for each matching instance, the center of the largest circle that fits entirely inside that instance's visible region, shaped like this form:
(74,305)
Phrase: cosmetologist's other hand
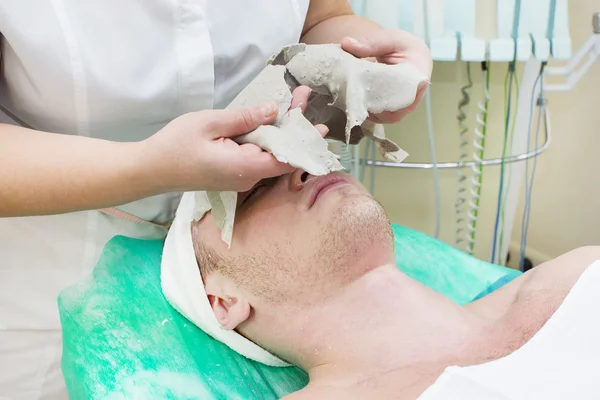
(393,46)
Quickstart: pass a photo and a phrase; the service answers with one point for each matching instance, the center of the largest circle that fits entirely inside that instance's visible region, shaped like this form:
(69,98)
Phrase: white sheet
(562,361)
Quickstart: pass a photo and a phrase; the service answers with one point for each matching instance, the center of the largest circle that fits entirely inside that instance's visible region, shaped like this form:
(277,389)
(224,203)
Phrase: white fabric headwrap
(183,287)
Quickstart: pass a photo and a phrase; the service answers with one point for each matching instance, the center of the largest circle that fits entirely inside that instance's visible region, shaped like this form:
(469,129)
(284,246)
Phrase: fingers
(376,45)
(382,42)
(228,123)
(391,46)
(396,116)
(300,97)
(255,162)
(249,149)
(411,49)
(323,129)
(261,165)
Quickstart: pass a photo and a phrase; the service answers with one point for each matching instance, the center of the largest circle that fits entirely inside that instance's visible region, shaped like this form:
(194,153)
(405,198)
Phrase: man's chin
(364,213)
(358,226)
(343,196)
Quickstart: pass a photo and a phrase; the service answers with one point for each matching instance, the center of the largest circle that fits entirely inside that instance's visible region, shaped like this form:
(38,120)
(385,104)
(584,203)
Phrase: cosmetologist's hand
(196,152)
(393,46)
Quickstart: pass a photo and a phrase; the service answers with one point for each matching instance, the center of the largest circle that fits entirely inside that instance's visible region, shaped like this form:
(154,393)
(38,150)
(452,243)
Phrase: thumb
(376,45)
(240,121)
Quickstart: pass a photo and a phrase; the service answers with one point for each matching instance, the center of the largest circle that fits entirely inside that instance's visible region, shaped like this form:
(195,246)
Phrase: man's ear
(231,308)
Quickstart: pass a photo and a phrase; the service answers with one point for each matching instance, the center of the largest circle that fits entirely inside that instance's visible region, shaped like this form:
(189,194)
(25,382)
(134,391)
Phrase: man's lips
(322,185)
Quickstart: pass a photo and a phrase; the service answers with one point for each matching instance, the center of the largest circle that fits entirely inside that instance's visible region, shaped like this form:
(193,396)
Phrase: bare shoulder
(552,279)
(523,306)
(563,271)
(550,282)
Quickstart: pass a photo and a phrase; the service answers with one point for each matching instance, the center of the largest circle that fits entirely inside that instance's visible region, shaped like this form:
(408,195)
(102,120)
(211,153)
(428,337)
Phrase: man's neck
(382,322)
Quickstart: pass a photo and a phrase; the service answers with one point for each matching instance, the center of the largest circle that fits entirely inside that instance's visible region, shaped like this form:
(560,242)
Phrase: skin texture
(350,318)
(288,199)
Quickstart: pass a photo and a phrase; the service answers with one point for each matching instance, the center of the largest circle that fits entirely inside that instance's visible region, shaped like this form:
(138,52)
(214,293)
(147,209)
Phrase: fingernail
(353,41)
(268,109)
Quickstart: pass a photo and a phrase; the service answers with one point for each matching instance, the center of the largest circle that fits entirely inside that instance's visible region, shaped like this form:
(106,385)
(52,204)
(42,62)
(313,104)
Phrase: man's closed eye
(258,190)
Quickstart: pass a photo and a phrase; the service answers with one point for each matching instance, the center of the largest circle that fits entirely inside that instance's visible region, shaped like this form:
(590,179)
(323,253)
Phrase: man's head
(297,240)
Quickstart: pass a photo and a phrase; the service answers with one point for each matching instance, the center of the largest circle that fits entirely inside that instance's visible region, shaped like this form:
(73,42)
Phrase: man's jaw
(313,333)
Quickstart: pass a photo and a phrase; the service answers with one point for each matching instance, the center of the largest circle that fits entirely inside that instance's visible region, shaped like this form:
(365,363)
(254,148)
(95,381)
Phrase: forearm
(44,173)
(334,29)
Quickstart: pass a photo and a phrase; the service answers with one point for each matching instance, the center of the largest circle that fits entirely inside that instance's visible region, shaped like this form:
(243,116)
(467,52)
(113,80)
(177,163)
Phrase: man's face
(299,233)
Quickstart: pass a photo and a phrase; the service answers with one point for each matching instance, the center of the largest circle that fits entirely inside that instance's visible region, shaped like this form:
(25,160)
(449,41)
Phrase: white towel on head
(183,287)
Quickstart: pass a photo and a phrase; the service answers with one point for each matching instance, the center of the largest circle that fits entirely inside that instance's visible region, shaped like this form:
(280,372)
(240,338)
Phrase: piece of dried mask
(345,91)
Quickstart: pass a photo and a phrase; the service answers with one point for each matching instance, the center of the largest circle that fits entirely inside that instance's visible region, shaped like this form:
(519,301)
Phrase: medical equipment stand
(520,153)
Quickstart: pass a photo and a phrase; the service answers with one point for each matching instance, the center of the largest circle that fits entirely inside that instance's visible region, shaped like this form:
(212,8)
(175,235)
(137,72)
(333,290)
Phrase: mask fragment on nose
(345,90)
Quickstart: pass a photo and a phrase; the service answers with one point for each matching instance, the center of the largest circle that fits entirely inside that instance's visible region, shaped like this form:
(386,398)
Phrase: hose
(529,181)
(507,95)
(356,161)
(436,174)
(511,68)
(372,180)
(346,156)
(462,177)
(478,156)
(511,76)
(363,166)
(428,112)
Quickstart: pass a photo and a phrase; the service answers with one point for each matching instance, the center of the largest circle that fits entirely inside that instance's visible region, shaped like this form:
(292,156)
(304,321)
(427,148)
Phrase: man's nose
(298,179)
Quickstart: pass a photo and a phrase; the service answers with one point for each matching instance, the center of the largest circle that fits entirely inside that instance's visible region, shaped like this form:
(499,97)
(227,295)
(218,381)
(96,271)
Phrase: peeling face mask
(345,90)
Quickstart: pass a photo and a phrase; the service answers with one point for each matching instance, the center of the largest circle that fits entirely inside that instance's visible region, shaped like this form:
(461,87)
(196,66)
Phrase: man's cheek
(207,230)
(264,219)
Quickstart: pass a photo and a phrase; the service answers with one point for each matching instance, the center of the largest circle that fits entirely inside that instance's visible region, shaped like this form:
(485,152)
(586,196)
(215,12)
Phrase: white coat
(117,70)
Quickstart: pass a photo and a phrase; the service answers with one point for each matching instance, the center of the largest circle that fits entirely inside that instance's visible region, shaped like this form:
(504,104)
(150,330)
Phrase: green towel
(122,340)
